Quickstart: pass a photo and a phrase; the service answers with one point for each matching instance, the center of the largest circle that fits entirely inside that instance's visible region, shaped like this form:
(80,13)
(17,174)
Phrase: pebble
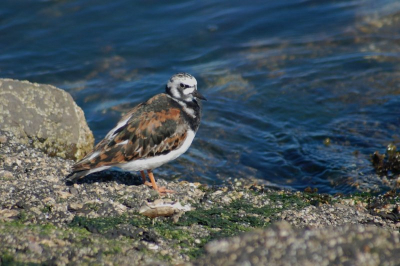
(73,191)
(35,248)
(6,174)
(3,139)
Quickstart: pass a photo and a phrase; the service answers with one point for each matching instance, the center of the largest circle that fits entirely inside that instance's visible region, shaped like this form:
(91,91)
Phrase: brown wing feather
(154,128)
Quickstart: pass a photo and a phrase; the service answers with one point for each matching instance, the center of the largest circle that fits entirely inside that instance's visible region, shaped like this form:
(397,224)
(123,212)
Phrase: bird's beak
(197,94)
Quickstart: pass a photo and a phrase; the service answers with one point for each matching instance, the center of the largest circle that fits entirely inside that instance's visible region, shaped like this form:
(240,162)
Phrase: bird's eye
(182,85)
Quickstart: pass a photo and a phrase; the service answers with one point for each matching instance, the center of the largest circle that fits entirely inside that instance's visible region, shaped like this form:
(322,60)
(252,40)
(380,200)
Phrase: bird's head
(183,87)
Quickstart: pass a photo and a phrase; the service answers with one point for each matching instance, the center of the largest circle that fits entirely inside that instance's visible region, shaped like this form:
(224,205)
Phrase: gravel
(46,220)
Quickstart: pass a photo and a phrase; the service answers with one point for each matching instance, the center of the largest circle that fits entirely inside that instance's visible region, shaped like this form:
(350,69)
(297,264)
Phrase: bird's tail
(75,176)
(78,174)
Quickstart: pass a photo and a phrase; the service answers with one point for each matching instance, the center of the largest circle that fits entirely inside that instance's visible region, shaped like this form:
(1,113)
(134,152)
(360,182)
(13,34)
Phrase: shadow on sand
(106,176)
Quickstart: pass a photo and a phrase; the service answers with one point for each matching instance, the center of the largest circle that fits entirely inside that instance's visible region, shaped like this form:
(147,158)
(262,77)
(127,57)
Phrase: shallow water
(281,77)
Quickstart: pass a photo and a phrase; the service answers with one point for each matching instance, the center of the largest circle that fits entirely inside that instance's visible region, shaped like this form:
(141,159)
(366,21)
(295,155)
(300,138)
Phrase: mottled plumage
(151,134)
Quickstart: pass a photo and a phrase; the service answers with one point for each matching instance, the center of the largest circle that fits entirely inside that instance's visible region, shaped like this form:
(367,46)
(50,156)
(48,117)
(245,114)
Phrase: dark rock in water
(386,166)
(45,115)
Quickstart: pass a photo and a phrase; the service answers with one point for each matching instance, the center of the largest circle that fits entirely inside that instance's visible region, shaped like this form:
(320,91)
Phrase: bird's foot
(160,190)
(147,183)
(164,190)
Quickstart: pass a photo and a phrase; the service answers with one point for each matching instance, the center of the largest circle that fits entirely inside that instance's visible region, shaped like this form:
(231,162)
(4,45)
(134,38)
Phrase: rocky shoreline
(45,220)
(110,218)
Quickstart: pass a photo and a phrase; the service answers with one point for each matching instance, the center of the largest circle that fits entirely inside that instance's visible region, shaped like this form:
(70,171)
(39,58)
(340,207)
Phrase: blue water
(280,76)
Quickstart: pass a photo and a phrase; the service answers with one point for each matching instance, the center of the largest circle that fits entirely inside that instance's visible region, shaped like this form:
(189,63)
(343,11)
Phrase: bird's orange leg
(145,182)
(160,190)
(152,180)
(143,176)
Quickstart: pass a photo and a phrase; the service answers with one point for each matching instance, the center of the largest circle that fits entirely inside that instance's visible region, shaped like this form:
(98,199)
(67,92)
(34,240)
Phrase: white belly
(151,163)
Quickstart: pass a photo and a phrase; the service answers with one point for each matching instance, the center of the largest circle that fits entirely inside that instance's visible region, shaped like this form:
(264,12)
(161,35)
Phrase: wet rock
(386,166)
(46,116)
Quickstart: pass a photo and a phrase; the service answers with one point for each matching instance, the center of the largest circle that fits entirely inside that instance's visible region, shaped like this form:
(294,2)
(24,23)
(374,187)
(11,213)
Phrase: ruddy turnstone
(151,134)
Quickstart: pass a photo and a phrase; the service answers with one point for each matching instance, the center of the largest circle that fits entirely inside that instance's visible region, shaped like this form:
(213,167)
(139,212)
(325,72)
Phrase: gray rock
(281,244)
(44,220)
(47,116)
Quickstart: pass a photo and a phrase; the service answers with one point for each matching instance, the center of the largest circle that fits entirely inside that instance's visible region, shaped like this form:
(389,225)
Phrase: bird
(151,134)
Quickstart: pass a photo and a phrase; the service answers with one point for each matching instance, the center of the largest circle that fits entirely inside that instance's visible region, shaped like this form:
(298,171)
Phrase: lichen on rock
(46,117)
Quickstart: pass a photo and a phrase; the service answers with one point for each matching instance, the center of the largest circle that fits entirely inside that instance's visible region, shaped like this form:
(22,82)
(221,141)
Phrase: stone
(162,207)
(46,116)
(283,244)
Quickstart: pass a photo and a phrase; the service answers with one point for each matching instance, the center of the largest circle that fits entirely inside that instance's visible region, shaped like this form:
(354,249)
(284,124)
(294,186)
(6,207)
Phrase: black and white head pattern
(183,87)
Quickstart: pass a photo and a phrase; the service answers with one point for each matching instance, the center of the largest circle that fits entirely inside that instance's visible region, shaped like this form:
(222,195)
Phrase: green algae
(231,219)
(240,215)
(113,235)
(104,224)
(76,238)
(7,259)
